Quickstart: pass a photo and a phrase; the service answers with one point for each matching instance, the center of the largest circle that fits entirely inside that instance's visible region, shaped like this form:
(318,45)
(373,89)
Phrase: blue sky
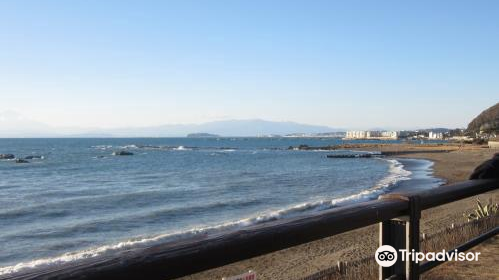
(349,64)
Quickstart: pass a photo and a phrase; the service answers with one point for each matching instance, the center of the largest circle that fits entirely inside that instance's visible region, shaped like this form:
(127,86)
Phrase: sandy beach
(452,162)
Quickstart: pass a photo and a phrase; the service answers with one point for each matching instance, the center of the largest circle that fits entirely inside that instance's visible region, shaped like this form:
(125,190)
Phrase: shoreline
(421,177)
(396,179)
(306,259)
(451,163)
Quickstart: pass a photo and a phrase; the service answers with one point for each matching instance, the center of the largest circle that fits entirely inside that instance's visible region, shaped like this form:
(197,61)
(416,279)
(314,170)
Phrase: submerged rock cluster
(20,160)
(122,153)
(7,156)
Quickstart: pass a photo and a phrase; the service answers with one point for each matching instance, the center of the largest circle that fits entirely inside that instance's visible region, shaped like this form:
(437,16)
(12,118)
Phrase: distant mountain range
(14,126)
(222,128)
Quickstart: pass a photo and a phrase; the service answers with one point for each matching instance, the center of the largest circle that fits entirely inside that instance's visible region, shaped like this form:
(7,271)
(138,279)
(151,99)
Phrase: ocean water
(81,201)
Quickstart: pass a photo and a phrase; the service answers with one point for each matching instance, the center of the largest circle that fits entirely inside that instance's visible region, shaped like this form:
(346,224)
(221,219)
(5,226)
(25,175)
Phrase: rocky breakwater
(34,157)
(7,156)
(331,147)
(122,153)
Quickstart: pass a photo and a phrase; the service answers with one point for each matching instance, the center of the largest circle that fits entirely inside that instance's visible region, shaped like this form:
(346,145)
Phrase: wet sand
(452,163)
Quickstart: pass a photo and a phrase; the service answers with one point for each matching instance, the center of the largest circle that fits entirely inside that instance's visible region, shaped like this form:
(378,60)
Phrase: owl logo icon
(386,256)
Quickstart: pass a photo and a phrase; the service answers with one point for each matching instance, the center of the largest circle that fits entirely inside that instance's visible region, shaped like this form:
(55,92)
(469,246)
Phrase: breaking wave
(396,174)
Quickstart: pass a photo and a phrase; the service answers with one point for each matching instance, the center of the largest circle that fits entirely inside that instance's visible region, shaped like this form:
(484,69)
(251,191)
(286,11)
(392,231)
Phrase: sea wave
(396,174)
(162,147)
(102,147)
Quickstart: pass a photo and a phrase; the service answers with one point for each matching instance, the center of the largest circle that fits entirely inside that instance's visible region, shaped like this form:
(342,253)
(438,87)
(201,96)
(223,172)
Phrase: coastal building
(340,134)
(406,133)
(461,139)
(494,144)
(373,135)
(390,134)
(435,135)
(356,134)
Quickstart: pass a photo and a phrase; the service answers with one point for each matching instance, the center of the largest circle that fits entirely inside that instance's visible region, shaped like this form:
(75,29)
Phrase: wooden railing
(398,215)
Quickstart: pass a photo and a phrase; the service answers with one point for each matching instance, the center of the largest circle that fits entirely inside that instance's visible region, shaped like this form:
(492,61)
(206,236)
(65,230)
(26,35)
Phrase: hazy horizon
(15,125)
(116,64)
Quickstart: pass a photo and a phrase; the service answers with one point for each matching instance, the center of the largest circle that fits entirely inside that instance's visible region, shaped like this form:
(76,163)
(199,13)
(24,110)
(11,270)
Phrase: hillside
(14,125)
(487,120)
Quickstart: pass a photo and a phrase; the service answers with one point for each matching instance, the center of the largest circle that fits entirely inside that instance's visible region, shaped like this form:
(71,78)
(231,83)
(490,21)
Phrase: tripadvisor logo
(386,256)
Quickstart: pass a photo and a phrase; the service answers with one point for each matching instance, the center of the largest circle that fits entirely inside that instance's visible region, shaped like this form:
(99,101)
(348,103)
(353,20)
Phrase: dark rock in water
(122,153)
(300,147)
(148,147)
(7,156)
(34,157)
(20,160)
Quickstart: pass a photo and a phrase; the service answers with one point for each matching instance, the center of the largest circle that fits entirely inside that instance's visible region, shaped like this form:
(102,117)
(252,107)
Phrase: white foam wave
(102,147)
(131,146)
(396,173)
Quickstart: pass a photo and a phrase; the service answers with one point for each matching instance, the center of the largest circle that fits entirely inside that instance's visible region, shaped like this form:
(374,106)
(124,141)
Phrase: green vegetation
(482,211)
(487,121)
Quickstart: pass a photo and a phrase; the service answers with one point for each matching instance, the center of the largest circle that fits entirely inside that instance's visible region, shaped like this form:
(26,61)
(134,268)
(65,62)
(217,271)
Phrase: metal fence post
(401,233)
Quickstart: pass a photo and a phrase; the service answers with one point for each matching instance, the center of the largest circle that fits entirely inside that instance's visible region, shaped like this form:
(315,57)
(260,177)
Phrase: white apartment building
(361,134)
(373,134)
(435,135)
(390,134)
(356,134)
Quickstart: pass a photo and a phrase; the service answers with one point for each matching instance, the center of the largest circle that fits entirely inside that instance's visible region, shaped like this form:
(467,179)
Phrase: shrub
(482,211)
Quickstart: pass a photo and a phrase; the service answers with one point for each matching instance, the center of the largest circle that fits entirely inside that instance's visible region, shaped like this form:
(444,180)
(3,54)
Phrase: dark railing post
(401,233)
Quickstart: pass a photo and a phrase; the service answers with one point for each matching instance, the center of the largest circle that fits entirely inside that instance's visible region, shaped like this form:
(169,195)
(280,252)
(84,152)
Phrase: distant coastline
(202,135)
